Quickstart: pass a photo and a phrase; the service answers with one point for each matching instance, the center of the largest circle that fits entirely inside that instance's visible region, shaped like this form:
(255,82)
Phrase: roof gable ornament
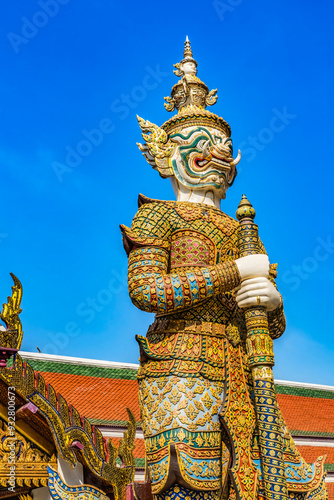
(11,336)
(72,434)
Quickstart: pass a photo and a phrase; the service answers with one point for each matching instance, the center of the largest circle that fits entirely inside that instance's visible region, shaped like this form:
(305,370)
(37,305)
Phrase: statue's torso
(199,236)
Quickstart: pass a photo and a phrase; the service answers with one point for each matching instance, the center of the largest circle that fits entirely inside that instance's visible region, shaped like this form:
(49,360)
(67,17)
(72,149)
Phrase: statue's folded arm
(153,289)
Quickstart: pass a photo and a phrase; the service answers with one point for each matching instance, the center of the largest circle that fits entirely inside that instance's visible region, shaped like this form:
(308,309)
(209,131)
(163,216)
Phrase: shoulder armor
(132,240)
(142,200)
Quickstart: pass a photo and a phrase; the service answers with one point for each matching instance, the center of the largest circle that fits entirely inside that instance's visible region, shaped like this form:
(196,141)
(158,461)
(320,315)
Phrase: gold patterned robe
(194,383)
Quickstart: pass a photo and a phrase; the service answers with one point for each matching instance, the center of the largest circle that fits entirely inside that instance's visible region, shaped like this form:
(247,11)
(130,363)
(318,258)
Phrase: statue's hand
(253,266)
(258,291)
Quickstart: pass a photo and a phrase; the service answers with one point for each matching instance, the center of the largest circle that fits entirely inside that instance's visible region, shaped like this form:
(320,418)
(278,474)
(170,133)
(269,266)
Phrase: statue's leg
(183,435)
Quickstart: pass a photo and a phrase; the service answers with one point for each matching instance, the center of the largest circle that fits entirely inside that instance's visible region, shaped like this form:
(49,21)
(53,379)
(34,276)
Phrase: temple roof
(101,390)
(46,424)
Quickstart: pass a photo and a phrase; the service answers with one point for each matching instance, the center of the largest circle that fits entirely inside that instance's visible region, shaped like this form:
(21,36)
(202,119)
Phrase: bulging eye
(228,142)
(203,144)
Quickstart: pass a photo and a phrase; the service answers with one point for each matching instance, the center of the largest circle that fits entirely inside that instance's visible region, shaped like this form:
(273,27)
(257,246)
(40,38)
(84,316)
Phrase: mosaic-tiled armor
(195,385)
(181,266)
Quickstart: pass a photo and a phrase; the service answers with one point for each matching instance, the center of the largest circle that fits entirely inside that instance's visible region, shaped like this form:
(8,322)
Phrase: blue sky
(74,75)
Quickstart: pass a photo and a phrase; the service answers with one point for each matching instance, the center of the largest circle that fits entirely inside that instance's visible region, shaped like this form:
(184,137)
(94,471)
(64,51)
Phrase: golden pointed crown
(187,57)
(190,96)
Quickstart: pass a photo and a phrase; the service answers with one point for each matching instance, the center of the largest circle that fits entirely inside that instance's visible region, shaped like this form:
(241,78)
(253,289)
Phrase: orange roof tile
(102,393)
(139,451)
(97,398)
(308,414)
(311,453)
(330,489)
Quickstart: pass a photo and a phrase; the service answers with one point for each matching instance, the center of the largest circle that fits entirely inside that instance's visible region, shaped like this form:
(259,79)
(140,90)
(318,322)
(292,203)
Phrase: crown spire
(190,92)
(187,49)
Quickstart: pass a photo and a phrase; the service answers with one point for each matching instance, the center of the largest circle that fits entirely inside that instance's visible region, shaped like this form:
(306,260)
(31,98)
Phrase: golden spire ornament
(190,93)
(187,49)
(11,337)
(187,58)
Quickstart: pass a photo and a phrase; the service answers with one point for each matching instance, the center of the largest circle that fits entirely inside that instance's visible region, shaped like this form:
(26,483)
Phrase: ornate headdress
(190,96)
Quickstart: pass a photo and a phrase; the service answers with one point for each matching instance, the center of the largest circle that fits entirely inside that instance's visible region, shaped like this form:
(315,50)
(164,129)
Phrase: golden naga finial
(124,475)
(11,338)
(190,93)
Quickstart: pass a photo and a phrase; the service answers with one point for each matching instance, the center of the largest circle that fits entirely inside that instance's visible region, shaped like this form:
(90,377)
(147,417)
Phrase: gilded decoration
(31,463)
(11,337)
(69,429)
(62,491)
(209,413)
(178,492)
(192,403)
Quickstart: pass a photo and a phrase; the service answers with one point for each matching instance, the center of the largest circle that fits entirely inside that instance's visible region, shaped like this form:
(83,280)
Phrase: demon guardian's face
(203,159)
(198,158)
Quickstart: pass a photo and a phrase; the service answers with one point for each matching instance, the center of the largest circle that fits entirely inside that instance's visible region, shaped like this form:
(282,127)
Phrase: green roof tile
(296,433)
(101,421)
(140,462)
(304,391)
(85,370)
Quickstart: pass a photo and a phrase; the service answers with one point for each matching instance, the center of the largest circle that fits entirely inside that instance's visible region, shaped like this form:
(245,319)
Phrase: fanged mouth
(202,163)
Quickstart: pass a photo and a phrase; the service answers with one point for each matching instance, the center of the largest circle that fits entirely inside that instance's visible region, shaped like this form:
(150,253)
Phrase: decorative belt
(165,325)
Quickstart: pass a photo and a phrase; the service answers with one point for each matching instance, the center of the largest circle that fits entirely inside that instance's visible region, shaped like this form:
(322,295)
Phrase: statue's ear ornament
(157,148)
(178,71)
(211,98)
(169,104)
